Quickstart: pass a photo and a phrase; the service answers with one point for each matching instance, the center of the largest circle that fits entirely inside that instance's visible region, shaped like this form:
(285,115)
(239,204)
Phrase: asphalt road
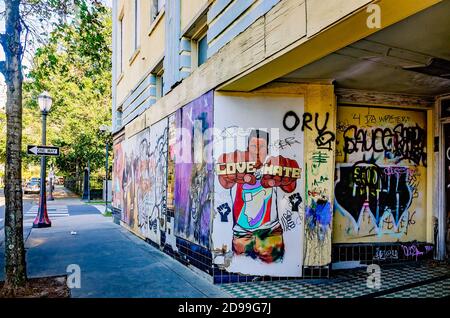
(28,201)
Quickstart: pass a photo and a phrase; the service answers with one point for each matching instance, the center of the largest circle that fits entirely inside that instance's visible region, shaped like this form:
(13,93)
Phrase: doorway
(447,182)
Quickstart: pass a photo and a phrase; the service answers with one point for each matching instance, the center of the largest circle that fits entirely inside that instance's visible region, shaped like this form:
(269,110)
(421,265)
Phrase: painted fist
(281,172)
(236,167)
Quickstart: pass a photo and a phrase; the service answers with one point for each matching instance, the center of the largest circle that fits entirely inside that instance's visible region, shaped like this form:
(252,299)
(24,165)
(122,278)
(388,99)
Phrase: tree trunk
(15,265)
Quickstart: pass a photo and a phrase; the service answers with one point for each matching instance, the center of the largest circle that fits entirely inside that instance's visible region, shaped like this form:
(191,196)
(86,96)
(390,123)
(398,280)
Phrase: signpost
(42,150)
(42,219)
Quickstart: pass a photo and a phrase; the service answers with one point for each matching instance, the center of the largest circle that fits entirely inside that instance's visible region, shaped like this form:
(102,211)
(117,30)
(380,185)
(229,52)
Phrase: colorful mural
(118,169)
(381,175)
(136,180)
(258,228)
(152,216)
(194,171)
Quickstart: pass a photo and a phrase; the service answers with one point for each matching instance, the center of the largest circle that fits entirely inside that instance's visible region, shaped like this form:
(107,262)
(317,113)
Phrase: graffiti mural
(194,171)
(118,164)
(136,180)
(381,175)
(152,212)
(259,184)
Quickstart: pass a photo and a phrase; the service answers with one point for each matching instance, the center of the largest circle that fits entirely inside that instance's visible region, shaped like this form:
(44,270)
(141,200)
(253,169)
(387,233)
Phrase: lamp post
(42,220)
(106,129)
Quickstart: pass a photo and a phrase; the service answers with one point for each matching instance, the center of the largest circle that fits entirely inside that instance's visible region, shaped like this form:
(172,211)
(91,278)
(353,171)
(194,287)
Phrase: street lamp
(42,220)
(106,129)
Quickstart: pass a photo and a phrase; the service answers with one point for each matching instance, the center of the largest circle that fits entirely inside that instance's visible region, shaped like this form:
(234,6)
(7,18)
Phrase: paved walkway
(113,262)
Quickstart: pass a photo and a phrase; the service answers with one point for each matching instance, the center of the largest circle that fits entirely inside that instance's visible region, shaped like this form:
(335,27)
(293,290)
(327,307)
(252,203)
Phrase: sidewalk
(114,263)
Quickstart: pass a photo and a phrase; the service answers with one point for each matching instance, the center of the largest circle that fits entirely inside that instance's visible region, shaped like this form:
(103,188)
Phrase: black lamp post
(42,220)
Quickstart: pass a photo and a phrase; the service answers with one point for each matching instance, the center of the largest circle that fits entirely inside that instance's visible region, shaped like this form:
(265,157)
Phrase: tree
(11,68)
(25,21)
(74,66)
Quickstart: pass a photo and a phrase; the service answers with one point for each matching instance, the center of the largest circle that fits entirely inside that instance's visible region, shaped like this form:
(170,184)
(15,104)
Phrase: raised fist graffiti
(281,172)
(224,210)
(295,201)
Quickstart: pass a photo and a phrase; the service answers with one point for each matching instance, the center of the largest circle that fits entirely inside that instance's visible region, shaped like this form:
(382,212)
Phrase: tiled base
(382,253)
(352,283)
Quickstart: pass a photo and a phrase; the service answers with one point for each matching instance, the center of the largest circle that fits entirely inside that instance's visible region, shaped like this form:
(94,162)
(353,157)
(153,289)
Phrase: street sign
(42,150)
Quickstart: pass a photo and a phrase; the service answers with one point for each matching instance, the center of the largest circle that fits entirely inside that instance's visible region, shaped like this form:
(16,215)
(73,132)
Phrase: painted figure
(254,179)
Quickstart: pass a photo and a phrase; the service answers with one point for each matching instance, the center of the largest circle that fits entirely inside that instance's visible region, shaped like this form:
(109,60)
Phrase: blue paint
(217,8)
(172,48)
(233,12)
(185,45)
(138,91)
(203,50)
(318,217)
(185,61)
(242,25)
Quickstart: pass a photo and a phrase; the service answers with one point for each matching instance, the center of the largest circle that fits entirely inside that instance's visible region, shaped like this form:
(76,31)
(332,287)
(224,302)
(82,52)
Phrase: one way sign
(42,150)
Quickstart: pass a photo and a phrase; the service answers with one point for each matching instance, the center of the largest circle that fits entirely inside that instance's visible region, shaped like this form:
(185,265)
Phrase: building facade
(283,138)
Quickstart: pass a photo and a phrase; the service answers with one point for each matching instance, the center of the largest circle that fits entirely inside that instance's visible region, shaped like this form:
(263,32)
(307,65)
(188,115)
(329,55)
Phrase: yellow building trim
(156,21)
(307,50)
(135,55)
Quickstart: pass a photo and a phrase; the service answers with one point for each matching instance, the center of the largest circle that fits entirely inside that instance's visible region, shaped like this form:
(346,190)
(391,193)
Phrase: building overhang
(303,53)
(409,57)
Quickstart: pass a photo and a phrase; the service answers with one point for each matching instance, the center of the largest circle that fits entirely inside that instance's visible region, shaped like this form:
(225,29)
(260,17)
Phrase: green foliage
(74,66)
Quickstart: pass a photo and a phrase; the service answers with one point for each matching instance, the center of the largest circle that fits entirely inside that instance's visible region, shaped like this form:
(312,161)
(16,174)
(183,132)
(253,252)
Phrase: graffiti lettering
(287,221)
(325,137)
(413,250)
(288,115)
(285,143)
(401,143)
(367,188)
(249,168)
(382,255)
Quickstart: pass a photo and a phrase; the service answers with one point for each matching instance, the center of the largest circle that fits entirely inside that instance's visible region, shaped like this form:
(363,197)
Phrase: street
(28,201)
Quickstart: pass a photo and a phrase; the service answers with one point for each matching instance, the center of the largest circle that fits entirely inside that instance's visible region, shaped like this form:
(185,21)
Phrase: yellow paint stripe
(336,37)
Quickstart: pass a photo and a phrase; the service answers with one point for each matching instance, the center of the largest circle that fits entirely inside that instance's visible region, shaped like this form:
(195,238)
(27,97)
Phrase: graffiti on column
(381,165)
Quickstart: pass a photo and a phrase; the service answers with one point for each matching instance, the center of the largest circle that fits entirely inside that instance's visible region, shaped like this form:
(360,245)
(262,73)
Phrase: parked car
(32,187)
